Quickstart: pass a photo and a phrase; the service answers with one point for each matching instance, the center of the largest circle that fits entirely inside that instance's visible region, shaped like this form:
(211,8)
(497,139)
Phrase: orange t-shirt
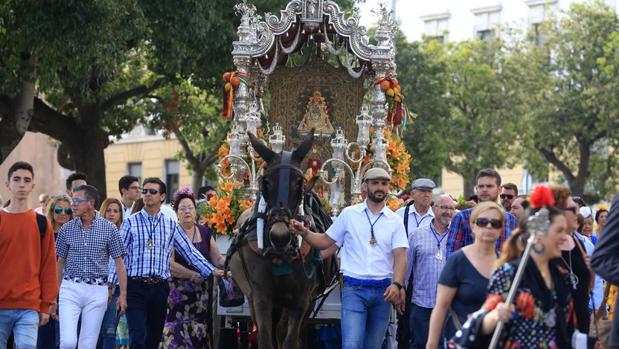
(28,278)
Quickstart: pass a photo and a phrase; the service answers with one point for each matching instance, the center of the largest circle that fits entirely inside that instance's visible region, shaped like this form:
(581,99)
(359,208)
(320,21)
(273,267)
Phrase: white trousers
(88,300)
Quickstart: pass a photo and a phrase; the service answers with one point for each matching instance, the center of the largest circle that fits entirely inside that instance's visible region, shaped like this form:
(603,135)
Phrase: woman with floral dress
(541,315)
(187,319)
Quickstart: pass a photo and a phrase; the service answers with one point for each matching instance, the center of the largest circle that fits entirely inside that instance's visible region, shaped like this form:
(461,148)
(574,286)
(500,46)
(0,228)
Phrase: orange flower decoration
(225,207)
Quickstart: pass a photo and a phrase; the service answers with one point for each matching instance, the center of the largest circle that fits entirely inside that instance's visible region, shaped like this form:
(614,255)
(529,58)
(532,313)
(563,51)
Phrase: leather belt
(148,280)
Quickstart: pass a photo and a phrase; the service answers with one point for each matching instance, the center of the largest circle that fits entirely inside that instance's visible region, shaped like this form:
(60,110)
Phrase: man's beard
(376,199)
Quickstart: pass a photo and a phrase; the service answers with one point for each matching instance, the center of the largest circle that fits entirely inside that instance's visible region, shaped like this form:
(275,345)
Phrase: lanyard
(372,239)
(152,229)
(418,222)
(436,235)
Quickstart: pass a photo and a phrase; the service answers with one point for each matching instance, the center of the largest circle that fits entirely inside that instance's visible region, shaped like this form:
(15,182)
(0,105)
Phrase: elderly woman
(187,321)
(540,314)
(58,211)
(464,280)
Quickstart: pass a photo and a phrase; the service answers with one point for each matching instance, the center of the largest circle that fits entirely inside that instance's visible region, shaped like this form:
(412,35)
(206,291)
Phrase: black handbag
(230,294)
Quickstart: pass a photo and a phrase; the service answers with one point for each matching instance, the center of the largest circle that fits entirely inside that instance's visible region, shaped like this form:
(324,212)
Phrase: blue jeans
(365,317)
(23,323)
(419,326)
(147,306)
(107,335)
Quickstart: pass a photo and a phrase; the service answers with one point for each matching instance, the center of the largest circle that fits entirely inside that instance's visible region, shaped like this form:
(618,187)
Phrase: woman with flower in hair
(541,314)
(187,320)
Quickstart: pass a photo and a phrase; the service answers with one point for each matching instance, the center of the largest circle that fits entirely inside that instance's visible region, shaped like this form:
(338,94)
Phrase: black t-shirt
(581,294)
(471,286)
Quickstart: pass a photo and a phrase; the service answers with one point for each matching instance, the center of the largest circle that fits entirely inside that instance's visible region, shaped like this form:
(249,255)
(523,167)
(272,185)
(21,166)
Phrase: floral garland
(225,207)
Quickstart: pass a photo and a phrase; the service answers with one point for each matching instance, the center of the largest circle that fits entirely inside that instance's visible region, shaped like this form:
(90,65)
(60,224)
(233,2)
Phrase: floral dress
(186,323)
(541,316)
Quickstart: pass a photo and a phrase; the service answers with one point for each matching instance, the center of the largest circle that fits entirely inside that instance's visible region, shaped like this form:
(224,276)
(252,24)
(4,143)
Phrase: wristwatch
(397,284)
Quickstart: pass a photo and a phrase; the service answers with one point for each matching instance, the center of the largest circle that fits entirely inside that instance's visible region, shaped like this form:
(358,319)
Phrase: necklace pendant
(150,244)
(439,255)
(550,318)
(372,241)
(574,280)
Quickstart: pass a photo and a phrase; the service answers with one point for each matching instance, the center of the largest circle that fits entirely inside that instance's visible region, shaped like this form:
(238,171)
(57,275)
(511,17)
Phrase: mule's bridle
(282,203)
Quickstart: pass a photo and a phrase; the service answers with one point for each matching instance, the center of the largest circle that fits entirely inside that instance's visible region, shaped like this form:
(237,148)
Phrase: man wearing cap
(373,261)
(460,233)
(418,212)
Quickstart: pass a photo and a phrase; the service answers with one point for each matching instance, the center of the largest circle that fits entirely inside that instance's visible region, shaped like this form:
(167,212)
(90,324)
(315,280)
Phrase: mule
(280,280)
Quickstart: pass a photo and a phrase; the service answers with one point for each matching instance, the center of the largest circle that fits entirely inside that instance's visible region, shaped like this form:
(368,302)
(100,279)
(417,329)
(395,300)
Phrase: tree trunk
(15,116)
(468,186)
(87,152)
(197,178)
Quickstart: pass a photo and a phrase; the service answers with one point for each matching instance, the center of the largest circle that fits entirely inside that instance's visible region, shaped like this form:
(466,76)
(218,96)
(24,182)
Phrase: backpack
(42,224)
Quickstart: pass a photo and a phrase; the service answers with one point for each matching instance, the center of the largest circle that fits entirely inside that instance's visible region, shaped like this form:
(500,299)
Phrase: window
(135,169)
(539,11)
(436,25)
(172,171)
(487,19)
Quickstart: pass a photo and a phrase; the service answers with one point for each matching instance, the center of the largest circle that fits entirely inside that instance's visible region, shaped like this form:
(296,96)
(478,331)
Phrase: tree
(193,115)
(568,92)
(80,72)
(422,76)
(460,92)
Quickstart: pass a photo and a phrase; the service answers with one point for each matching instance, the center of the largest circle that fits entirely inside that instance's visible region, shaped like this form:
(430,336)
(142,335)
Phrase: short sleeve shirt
(359,258)
(87,251)
(471,286)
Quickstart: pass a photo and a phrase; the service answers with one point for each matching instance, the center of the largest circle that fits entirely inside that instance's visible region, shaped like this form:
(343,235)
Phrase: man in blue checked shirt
(150,238)
(84,246)
(460,233)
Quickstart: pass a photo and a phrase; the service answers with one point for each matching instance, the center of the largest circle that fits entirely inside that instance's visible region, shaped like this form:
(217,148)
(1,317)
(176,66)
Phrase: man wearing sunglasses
(150,238)
(85,245)
(460,233)
(509,191)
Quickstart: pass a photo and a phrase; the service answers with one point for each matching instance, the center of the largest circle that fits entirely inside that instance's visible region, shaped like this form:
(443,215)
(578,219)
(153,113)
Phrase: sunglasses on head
(494,223)
(67,210)
(150,191)
(506,196)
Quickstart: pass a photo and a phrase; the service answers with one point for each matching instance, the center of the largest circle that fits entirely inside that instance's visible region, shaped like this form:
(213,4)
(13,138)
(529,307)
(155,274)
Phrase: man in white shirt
(373,261)
(418,213)
(129,188)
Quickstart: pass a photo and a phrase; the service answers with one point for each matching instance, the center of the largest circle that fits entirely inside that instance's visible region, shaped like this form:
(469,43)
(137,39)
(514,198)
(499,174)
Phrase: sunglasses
(572,209)
(506,196)
(150,191)
(494,223)
(67,210)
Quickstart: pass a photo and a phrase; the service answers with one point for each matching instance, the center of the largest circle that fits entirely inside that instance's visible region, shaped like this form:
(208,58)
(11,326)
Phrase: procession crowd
(137,271)
(459,266)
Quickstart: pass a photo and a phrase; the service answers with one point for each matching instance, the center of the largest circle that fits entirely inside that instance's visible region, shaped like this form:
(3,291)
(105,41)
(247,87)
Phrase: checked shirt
(154,261)
(88,251)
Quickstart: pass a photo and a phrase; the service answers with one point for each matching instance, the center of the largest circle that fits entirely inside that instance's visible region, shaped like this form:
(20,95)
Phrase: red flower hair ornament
(541,196)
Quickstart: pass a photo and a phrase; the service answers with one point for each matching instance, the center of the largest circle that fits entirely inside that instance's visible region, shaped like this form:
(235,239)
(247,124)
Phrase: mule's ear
(265,152)
(300,153)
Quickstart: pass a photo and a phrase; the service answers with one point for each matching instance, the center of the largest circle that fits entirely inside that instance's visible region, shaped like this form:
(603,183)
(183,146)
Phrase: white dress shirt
(359,258)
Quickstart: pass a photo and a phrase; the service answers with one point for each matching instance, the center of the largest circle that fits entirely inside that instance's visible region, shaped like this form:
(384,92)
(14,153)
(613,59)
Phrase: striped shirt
(87,251)
(150,241)
(425,243)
